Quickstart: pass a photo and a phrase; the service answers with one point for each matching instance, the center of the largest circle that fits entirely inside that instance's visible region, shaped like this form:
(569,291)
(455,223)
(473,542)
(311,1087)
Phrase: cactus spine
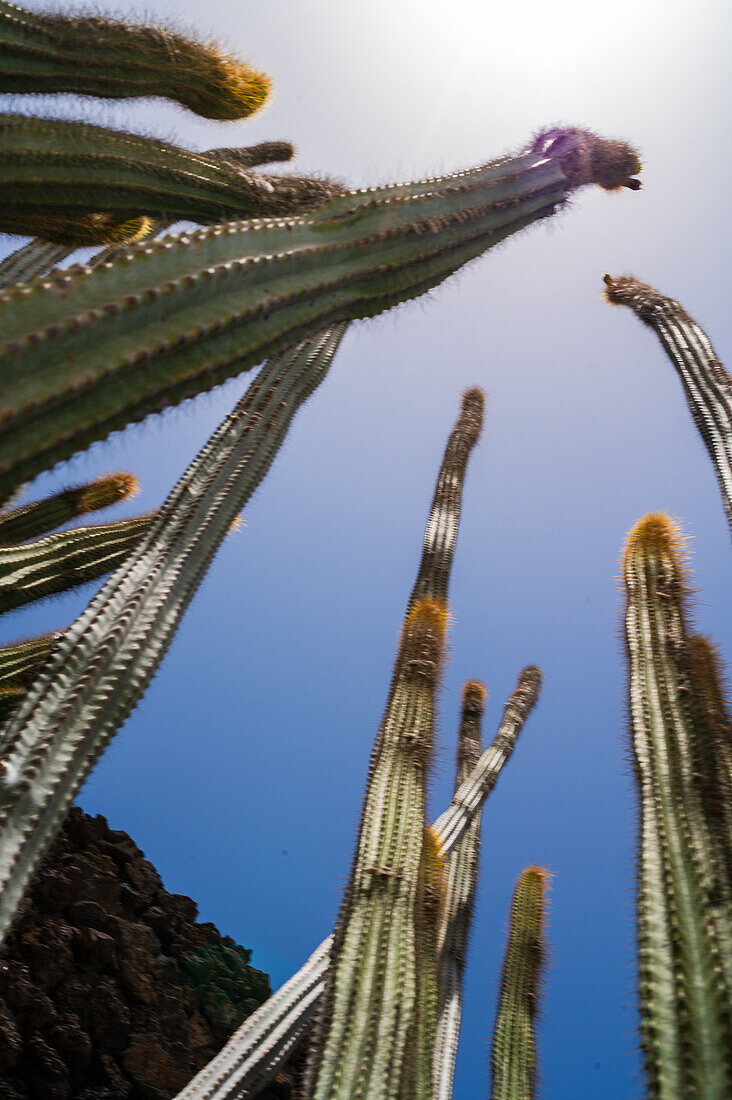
(31,520)
(86,55)
(707,384)
(461,874)
(513,1052)
(684,913)
(106,659)
(370,1007)
(87,352)
(254,1052)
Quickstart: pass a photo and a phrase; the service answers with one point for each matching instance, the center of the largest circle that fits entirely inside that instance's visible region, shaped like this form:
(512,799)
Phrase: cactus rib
(20,661)
(684,913)
(461,880)
(707,384)
(240,1070)
(53,172)
(40,517)
(513,1051)
(106,659)
(87,55)
(88,352)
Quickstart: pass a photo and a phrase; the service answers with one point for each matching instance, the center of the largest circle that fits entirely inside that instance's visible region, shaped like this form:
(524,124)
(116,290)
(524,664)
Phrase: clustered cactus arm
(684,914)
(85,352)
(106,659)
(461,875)
(31,520)
(513,1051)
(58,176)
(707,384)
(87,55)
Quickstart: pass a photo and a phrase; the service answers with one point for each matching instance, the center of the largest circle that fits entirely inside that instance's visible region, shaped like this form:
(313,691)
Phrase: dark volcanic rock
(109,989)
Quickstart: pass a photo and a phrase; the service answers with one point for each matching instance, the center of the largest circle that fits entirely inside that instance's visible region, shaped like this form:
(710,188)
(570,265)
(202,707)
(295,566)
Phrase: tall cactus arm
(10,697)
(461,874)
(87,352)
(442,526)
(368,1014)
(240,1069)
(470,795)
(87,55)
(31,520)
(513,1052)
(65,560)
(684,920)
(107,658)
(707,384)
(417,1083)
(21,661)
(55,170)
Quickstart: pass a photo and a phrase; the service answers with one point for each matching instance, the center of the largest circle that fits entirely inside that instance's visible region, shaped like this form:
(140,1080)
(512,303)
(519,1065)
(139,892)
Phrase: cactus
(65,560)
(20,661)
(713,742)
(369,1011)
(54,173)
(429,910)
(86,55)
(254,1053)
(684,911)
(461,878)
(707,384)
(31,520)
(106,659)
(513,1052)
(87,352)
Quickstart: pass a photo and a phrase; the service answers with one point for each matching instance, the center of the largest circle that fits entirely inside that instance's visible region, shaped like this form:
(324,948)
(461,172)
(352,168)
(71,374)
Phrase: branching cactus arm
(87,352)
(707,384)
(513,1052)
(29,521)
(106,659)
(88,55)
(461,875)
(684,914)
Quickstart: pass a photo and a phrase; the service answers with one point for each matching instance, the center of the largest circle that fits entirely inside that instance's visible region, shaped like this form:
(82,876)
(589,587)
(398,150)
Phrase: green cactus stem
(32,520)
(105,660)
(255,1052)
(21,661)
(369,1012)
(54,172)
(428,916)
(461,876)
(513,1052)
(87,352)
(684,913)
(10,697)
(707,385)
(37,257)
(65,560)
(88,55)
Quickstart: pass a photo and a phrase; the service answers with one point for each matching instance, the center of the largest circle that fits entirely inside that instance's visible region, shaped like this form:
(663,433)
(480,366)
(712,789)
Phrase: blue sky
(241,773)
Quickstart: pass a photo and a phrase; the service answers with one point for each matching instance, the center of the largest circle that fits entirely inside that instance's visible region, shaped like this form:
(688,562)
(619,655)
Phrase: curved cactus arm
(461,876)
(365,1031)
(470,795)
(87,352)
(107,658)
(21,661)
(707,384)
(513,1051)
(52,172)
(87,55)
(40,517)
(684,913)
(65,560)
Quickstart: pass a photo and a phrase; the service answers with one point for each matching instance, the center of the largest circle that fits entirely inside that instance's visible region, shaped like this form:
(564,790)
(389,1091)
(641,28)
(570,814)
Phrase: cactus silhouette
(87,352)
(707,384)
(109,655)
(461,874)
(684,908)
(513,1051)
(87,55)
(369,1015)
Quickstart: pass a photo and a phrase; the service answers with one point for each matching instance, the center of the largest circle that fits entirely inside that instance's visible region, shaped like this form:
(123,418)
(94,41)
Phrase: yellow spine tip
(107,490)
(657,534)
(475,692)
(243,90)
(431,615)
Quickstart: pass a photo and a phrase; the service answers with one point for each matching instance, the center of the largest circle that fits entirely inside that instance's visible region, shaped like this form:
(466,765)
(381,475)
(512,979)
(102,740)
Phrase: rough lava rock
(109,988)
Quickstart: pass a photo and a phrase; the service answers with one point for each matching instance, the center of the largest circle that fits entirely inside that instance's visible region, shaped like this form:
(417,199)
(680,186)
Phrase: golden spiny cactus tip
(474,694)
(107,490)
(423,639)
(428,616)
(656,534)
